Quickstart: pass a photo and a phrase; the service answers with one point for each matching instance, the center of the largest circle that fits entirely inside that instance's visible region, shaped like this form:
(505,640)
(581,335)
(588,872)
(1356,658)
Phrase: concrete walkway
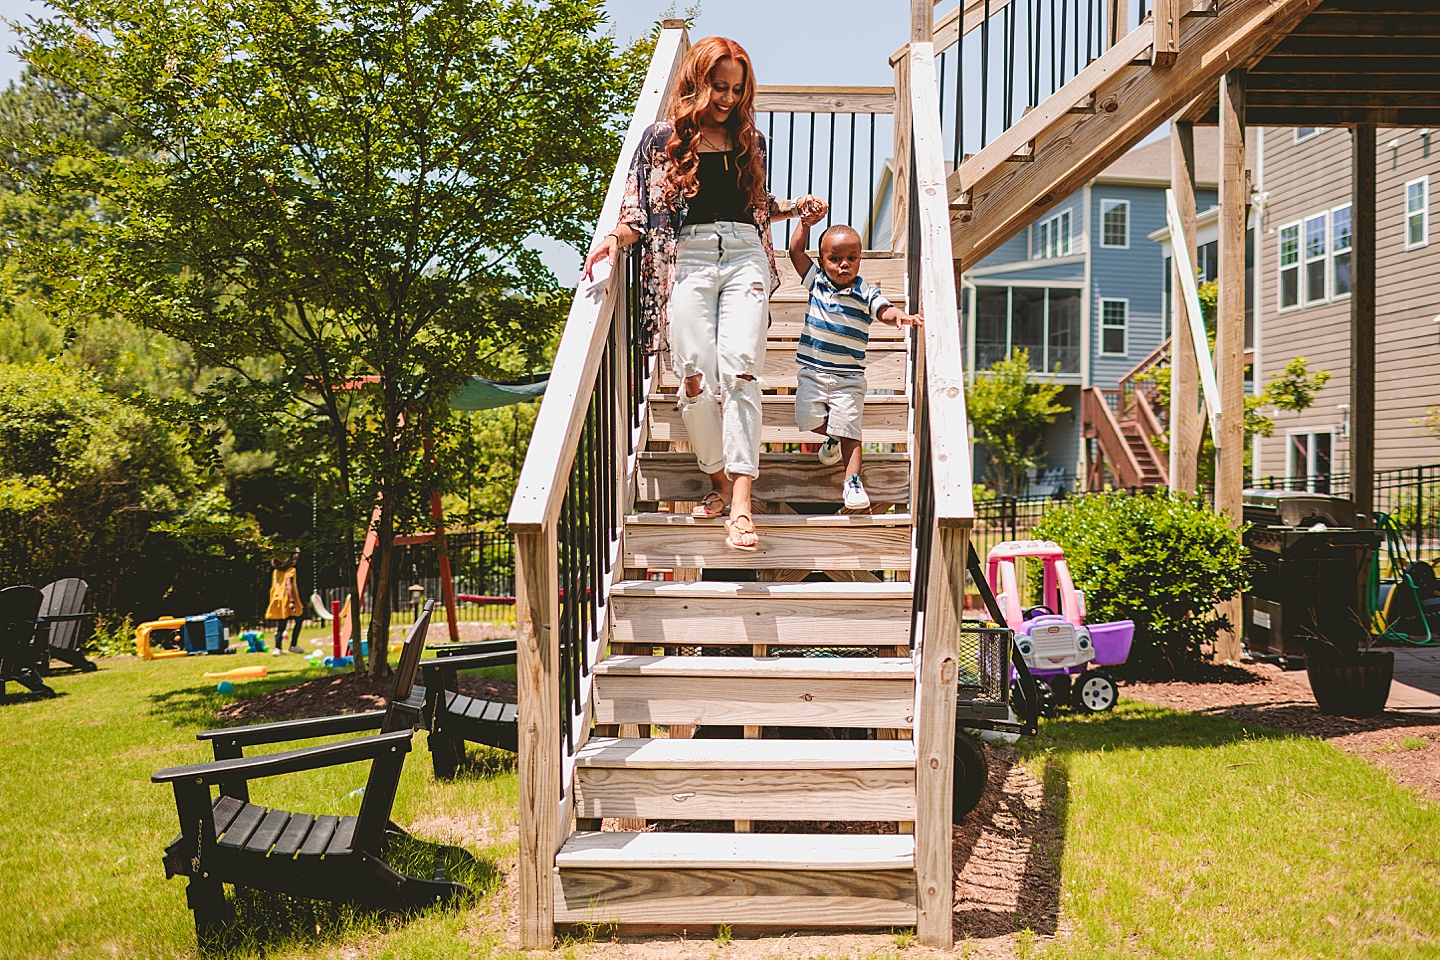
(1417,679)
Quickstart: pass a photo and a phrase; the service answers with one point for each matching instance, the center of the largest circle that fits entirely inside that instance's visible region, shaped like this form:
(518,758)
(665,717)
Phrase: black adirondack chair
(227,839)
(453,718)
(22,640)
(62,607)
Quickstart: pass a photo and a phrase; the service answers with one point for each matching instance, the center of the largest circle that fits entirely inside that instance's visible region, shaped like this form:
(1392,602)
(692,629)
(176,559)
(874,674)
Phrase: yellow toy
(142,638)
(239,673)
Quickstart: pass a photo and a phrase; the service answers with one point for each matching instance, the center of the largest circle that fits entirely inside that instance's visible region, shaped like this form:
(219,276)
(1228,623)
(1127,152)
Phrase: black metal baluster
(984,75)
(790,171)
(830,176)
(850,177)
(870,190)
(959,146)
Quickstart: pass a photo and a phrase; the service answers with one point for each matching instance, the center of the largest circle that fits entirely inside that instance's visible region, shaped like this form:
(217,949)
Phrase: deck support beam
(1185,419)
(1230,332)
(1362,319)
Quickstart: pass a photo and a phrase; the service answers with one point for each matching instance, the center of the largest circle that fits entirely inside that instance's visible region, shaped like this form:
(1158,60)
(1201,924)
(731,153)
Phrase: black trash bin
(1311,556)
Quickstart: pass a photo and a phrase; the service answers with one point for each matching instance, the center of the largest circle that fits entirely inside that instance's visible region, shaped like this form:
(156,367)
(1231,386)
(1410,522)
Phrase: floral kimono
(644,210)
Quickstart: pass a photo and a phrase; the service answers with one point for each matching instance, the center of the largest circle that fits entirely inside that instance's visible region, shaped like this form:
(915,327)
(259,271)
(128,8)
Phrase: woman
(285,604)
(696,195)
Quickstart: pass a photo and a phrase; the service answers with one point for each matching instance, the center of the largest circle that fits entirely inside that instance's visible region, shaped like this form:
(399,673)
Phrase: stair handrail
(943,496)
(567,516)
(1099,422)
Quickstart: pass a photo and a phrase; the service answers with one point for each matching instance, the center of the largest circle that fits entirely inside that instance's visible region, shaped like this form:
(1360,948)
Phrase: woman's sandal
(712,505)
(736,538)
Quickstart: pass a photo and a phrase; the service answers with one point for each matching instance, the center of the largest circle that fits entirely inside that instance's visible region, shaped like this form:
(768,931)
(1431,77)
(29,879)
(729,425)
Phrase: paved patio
(1417,679)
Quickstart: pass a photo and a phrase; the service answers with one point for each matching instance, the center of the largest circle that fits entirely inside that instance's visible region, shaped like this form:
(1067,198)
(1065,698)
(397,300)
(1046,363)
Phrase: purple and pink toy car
(1057,645)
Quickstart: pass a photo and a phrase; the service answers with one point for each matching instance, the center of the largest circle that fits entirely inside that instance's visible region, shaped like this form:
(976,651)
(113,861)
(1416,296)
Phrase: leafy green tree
(1011,410)
(93,486)
(331,201)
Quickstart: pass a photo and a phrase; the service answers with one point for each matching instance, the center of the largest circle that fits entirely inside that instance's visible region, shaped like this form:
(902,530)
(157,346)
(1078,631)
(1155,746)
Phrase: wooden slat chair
(22,640)
(453,718)
(62,607)
(228,839)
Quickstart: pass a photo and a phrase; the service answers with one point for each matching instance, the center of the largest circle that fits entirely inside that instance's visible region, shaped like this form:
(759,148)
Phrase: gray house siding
(1042,272)
(1303,180)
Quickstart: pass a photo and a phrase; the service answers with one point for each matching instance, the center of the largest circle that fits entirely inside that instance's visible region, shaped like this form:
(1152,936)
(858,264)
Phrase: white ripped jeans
(719,314)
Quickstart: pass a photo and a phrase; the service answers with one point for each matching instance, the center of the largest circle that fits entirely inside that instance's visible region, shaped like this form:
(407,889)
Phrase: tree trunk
(380,575)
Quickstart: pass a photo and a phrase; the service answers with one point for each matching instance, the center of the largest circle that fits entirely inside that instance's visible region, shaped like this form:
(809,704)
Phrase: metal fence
(483,568)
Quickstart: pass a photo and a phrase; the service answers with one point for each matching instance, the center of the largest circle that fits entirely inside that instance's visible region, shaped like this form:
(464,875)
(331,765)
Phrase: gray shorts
(833,402)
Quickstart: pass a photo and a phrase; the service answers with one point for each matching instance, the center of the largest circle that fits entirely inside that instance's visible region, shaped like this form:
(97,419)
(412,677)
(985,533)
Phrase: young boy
(830,395)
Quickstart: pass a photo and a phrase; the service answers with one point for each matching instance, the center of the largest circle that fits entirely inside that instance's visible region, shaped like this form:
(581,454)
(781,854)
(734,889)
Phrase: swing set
(1406,605)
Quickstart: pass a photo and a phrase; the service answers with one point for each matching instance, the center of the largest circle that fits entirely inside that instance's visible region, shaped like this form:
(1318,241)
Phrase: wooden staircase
(670,768)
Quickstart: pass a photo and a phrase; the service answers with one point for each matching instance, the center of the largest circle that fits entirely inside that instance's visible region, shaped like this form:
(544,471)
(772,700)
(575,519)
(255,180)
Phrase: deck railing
(942,504)
(567,517)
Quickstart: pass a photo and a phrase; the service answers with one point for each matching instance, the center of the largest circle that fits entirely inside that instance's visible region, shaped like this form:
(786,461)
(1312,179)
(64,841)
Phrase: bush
(1163,560)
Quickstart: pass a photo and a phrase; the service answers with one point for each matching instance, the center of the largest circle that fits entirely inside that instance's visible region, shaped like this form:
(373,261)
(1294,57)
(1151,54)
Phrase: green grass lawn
(1184,836)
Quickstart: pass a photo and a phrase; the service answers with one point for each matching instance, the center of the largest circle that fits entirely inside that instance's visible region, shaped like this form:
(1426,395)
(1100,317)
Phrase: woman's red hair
(692,98)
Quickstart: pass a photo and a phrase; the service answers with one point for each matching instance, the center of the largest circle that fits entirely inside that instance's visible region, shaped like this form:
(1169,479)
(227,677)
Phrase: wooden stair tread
(747,754)
(886,419)
(702,589)
(835,521)
(768,458)
(819,668)
(762,851)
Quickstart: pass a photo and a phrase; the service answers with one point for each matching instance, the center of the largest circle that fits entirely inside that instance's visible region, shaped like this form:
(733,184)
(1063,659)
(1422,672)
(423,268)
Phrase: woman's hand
(811,209)
(606,251)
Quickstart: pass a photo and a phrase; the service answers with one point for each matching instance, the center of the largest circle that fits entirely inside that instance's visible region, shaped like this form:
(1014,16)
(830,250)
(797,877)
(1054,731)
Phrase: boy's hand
(893,314)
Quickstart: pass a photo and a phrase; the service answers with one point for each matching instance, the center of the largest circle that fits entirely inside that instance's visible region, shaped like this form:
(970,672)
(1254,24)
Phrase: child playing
(830,395)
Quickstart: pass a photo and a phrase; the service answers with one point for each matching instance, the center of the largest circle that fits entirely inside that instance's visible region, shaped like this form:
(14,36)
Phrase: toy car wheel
(972,774)
(1095,692)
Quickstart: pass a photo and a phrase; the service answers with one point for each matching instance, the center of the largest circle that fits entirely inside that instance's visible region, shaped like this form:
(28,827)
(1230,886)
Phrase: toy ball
(225,686)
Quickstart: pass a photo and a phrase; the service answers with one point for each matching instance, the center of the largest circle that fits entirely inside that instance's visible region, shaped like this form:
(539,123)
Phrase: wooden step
(784,477)
(886,420)
(886,367)
(787,542)
(885,272)
(783,614)
(742,879)
(746,779)
(770,691)
(787,319)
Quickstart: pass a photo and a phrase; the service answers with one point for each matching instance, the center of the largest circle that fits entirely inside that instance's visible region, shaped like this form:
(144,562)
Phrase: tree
(331,202)
(1011,411)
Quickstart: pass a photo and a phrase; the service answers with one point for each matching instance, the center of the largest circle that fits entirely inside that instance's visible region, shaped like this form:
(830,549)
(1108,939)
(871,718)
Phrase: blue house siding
(1041,273)
(1134,274)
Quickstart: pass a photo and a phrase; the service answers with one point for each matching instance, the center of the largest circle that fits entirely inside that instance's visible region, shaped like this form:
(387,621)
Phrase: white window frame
(1047,235)
(1423,213)
(1314,132)
(1336,251)
(1298,227)
(1322,258)
(1123,327)
(1107,206)
(1310,472)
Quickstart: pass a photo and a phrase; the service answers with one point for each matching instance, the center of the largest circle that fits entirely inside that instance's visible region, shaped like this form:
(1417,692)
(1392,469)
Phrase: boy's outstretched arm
(893,314)
(799,240)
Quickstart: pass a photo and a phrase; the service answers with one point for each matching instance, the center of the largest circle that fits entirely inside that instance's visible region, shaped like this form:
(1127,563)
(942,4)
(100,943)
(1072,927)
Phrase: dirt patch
(1405,744)
(342,693)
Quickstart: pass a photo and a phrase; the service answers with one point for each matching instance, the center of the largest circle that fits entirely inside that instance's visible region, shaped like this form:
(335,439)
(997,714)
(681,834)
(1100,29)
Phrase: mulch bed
(343,693)
(1406,744)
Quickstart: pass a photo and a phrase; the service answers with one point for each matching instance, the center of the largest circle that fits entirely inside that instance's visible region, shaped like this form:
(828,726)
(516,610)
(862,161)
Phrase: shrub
(1163,560)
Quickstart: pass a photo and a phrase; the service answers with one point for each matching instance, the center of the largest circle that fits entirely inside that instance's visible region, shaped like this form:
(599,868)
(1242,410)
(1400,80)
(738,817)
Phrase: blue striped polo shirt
(837,323)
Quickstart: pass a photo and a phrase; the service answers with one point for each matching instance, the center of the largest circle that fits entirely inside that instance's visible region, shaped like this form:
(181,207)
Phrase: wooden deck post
(1362,319)
(1185,419)
(900,169)
(1119,24)
(1167,33)
(1230,330)
(537,674)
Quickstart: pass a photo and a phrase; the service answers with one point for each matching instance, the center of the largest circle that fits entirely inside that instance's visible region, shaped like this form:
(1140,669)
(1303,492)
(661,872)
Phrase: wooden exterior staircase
(618,672)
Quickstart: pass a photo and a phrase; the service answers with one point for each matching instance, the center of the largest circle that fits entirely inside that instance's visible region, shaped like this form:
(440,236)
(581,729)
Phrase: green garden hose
(1399,567)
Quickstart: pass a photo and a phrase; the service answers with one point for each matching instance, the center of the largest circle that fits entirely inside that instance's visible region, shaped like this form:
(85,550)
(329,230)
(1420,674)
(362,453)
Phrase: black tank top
(719,199)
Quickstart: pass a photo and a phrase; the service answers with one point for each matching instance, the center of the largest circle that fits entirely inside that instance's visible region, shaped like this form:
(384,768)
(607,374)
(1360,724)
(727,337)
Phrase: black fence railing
(483,572)
(1020,53)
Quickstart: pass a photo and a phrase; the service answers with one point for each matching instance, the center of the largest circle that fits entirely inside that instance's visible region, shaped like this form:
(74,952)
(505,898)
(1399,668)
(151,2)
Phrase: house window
(1308,462)
(1114,317)
(1052,237)
(1289,266)
(1315,250)
(1042,320)
(1207,262)
(1417,213)
(1340,245)
(1115,223)
(1306,133)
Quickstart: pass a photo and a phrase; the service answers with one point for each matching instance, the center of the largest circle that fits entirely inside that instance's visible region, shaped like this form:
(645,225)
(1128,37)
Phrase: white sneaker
(276,651)
(830,452)
(855,496)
